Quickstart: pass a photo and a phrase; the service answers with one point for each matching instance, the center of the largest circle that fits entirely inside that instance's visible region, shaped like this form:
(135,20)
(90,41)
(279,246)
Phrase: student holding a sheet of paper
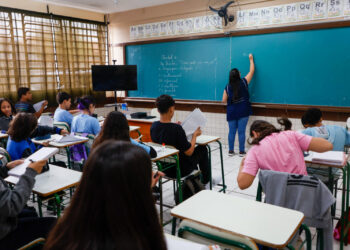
(18,224)
(236,96)
(164,131)
(337,135)
(24,103)
(22,129)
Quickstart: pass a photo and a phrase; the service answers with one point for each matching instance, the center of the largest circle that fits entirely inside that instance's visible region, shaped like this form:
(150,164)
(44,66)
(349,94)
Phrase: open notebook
(42,154)
(330,157)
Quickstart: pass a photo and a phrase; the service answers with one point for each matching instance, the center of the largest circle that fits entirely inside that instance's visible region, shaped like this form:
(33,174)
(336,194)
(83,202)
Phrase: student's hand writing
(198,132)
(64,132)
(37,166)
(251,57)
(156,178)
(13,164)
(46,143)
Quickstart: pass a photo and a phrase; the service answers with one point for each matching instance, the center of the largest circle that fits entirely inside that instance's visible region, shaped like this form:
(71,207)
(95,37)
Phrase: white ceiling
(108,6)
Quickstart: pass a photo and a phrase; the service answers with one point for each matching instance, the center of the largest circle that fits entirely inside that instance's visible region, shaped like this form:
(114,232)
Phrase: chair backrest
(34,244)
(62,125)
(6,156)
(348,123)
(209,236)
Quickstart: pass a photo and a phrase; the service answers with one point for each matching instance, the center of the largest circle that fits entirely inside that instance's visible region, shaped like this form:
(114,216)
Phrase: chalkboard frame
(332,112)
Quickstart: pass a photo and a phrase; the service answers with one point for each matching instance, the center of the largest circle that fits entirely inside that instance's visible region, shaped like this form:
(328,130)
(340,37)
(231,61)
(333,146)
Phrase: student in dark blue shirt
(24,126)
(24,103)
(236,95)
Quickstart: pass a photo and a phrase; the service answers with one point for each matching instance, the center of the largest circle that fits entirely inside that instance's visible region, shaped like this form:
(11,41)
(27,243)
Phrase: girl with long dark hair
(116,127)
(236,95)
(278,150)
(113,207)
(7,110)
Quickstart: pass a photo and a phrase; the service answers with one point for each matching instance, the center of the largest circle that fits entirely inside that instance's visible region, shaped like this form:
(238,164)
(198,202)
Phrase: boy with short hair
(169,133)
(24,105)
(337,135)
(62,113)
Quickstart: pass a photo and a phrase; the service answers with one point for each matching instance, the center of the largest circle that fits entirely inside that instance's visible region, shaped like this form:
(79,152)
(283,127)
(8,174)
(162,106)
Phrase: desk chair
(303,227)
(34,244)
(62,125)
(199,233)
(347,127)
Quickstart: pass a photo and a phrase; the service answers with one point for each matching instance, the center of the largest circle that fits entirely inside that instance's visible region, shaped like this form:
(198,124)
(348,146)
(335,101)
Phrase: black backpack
(190,186)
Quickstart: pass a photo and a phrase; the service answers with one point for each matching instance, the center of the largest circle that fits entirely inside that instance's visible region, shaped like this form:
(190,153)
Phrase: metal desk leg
(159,166)
(210,170)
(179,186)
(58,204)
(40,206)
(68,158)
(222,168)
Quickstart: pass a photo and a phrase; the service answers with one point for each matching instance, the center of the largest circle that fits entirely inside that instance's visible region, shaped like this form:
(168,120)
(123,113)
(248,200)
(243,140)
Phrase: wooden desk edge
(61,146)
(255,240)
(206,143)
(163,157)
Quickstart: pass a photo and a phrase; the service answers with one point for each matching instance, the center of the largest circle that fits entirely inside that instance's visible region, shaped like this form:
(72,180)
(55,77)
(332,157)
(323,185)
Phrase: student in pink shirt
(277,150)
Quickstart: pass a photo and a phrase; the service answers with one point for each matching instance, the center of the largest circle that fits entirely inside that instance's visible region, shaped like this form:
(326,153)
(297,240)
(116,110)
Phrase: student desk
(205,140)
(65,145)
(145,127)
(163,153)
(266,224)
(345,168)
(176,243)
(50,183)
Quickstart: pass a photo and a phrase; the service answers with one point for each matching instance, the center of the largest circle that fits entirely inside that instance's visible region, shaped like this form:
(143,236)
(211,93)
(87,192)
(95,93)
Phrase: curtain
(48,54)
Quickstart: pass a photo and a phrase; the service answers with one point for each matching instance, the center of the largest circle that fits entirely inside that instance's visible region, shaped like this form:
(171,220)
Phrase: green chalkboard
(300,67)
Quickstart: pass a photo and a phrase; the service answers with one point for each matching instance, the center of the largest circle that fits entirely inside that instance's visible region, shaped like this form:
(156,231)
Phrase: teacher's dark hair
(163,103)
(234,81)
(113,206)
(265,128)
(22,126)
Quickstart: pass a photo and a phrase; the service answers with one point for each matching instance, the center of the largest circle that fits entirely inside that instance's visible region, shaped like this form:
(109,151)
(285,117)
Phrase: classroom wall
(55,9)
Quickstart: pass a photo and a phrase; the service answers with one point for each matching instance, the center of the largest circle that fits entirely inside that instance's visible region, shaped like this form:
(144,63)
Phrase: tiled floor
(231,166)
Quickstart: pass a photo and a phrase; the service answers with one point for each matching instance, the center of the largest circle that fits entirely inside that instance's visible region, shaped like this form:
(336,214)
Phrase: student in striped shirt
(24,103)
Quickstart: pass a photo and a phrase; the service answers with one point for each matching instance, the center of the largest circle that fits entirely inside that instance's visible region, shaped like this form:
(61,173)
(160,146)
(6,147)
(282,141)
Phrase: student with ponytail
(277,150)
(84,122)
(236,95)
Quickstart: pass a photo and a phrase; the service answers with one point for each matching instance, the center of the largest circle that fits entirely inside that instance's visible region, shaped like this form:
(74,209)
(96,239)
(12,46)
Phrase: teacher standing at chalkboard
(236,95)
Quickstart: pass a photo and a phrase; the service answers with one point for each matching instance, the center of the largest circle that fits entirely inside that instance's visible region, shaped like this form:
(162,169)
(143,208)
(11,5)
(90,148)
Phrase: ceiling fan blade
(225,18)
(212,9)
(228,4)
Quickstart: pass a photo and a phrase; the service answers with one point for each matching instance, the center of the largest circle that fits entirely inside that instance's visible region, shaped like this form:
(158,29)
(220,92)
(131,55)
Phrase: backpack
(190,186)
(336,232)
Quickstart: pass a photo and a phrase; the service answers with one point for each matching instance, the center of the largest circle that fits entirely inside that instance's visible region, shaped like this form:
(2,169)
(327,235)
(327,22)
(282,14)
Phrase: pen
(34,161)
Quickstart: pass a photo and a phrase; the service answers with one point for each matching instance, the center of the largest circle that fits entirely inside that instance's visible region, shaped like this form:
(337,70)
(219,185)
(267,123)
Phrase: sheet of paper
(253,17)
(242,20)
(328,157)
(346,8)
(42,154)
(37,106)
(175,243)
(304,11)
(278,13)
(291,13)
(66,138)
(45,120)
(163,29)
(335,8)
(265,16)
(193,121)
(319,9)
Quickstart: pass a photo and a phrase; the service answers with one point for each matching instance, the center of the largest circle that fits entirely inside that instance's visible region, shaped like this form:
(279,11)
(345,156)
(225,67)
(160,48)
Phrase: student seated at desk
(62,113)
(22,128)
(84,122)
(24,103)
(273,149)
(7,110)
(19,225)
(337,135)
(164,131)
(116,127)
(105,210)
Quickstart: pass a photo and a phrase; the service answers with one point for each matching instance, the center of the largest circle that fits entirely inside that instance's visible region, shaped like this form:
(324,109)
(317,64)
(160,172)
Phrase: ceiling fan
(225,10)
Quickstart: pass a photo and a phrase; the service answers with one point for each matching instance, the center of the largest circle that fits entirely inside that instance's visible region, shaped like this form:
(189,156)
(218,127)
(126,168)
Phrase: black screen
(114,77)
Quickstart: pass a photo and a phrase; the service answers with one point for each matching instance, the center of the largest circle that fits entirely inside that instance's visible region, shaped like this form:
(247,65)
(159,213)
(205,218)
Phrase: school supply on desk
(45,120)
(42,154)
(65,138)
(37,106)
(193,121)
(330,157)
